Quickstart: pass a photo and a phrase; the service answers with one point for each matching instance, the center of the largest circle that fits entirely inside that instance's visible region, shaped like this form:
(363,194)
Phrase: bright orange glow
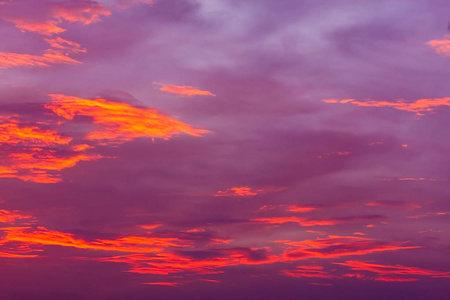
(441,46)
(337,246)
(388,270)
(120,122)
(183,90)
(419,107)
(6,172)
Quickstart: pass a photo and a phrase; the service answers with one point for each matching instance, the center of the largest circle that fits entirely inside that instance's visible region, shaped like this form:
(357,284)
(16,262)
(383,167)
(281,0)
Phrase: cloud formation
(37,151)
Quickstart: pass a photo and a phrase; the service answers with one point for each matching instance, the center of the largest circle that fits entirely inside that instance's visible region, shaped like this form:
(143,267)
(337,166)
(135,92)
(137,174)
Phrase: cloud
(120,122)
(309,271)
(7,216)
(389,272)
(9,60)
(246,191)
(393,204)
(31,152)
(315,222)
(441,46)
(185,90)
(46,20)
(337,246)
(419,107)
(300,209)
(36,151)
(163,283)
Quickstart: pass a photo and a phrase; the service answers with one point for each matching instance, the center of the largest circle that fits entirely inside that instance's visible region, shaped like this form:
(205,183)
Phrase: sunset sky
(224,149)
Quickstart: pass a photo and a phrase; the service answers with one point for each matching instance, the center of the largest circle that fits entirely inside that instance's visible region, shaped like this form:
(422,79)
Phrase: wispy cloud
(244,191)
(391,272)
(419,107)
(185,90)
(337,246)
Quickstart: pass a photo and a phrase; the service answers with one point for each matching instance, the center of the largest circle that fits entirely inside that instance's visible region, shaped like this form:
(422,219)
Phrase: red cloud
(337,246)
(313,222)
(163,283)
(183,90)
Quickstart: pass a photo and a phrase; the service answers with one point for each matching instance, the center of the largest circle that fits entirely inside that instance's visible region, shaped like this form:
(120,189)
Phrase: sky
(224,149)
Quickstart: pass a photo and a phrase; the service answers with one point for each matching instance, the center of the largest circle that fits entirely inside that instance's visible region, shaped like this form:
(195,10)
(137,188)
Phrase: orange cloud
(7,216)
(45,28)
(419,107)
(441,46)
(337,246)
(31,152)
(183,90)
(387,271)
(13,133)
(120,122)
(131,244)
(8,60)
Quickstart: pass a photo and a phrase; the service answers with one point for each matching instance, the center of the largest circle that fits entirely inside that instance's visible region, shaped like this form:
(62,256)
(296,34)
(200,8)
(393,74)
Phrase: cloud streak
(419,107)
